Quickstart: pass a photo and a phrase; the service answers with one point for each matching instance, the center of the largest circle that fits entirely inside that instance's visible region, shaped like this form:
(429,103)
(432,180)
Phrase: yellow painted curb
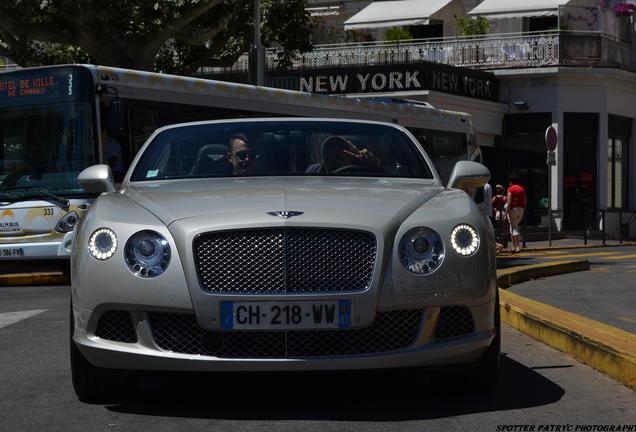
(605,348)
(548,248)
(41,278)
(515,275)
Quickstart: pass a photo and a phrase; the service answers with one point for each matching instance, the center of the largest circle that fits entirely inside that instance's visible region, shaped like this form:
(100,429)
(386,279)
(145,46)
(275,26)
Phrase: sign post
(551,140)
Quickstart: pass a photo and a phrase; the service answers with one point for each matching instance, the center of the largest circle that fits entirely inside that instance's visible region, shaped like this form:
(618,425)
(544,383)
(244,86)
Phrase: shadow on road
(352,396)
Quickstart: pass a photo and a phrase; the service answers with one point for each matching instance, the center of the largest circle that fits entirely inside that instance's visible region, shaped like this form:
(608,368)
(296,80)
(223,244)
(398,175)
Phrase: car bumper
(145,354)
(37,250)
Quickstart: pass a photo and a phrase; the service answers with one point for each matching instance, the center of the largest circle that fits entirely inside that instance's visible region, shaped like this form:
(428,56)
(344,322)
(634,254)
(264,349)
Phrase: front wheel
(94,384)
(482,379)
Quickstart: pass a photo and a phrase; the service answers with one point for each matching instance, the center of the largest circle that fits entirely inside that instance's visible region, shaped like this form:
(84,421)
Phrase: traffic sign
(551,138)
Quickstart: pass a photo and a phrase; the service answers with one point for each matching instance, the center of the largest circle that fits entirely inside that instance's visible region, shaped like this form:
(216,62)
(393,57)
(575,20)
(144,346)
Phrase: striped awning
(395,13)
(498,9)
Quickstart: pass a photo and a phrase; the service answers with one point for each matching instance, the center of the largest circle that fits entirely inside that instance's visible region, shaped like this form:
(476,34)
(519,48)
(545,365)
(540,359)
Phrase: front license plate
(11,252)
(299,315)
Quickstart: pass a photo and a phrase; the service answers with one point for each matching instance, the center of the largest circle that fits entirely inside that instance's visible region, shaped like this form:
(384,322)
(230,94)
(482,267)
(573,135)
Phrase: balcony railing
(493,51)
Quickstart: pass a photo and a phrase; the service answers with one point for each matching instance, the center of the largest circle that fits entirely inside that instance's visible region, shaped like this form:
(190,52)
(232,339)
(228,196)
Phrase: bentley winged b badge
(284,214)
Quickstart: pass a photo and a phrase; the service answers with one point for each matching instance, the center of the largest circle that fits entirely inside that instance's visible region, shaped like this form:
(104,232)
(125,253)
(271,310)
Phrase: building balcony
(492,51)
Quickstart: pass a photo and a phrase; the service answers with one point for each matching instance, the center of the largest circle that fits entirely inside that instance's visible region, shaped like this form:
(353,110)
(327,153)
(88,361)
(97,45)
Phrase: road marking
(629,320)
(621,257)
(600,269)
(8,318)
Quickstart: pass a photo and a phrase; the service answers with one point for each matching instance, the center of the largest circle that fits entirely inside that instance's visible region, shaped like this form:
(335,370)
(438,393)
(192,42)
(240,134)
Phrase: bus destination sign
(39,86)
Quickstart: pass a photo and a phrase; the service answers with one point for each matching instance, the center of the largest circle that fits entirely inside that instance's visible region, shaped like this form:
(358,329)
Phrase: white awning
(497,9)
(395,13)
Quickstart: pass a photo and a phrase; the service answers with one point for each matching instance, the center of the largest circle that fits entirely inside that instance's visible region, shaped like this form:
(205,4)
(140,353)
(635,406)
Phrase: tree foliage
(472,26)
(175,36)
(395,34)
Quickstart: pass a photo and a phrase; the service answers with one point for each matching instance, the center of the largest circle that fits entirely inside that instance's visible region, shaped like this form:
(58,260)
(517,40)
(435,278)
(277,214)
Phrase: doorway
(579,171)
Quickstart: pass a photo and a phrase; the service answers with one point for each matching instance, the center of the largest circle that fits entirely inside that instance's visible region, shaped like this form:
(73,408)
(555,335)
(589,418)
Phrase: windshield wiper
(60,202)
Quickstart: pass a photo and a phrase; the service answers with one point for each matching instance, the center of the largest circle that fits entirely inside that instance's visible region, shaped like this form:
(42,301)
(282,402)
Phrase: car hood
(251,199)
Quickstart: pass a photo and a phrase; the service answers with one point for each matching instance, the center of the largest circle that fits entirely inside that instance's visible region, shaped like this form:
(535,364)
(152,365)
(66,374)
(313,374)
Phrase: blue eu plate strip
(344,314)
(227,315)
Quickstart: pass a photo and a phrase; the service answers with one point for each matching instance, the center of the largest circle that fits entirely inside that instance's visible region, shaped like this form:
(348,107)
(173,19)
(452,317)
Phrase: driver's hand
(363,156)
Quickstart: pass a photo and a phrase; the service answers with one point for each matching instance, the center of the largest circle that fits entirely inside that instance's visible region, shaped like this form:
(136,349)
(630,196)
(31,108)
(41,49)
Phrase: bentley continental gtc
(282,245)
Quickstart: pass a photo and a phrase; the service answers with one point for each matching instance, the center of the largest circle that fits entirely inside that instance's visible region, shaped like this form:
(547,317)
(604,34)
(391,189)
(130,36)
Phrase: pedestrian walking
(515,209)
(499,222)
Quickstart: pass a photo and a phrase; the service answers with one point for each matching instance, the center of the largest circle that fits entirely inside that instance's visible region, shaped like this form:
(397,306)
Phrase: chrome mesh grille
(284,260)
(116,326)
(389,331)
(454,321)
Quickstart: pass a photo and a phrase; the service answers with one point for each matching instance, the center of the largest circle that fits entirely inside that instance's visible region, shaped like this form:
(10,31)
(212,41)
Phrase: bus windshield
(44,148)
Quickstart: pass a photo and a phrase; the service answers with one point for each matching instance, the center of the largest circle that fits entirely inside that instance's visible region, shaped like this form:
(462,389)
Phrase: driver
(338,153)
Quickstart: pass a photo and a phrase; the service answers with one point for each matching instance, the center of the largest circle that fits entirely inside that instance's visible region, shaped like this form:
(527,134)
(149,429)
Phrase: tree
(472,26)
(174,36)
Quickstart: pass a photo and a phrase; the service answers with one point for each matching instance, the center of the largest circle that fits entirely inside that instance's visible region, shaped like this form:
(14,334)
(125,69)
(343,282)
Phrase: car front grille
(454,321)
(116,326)
(284,260)
(389,331)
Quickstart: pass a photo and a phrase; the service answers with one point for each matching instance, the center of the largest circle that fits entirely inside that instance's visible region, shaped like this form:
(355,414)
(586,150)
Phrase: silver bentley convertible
(282,245)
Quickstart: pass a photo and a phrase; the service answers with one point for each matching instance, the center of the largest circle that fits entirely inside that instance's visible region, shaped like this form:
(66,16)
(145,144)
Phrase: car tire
(93,384)
(482,378)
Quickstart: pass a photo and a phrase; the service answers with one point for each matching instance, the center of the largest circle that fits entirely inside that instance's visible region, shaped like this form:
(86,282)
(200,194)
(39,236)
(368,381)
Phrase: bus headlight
(102,244)
(421,251)
(147,254)
(465,240)
(67,223)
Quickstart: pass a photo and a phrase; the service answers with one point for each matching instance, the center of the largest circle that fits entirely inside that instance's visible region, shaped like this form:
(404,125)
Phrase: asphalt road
(605,293)
(538,386)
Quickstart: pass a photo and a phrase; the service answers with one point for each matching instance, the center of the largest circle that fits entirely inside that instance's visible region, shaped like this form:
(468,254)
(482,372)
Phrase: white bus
(55,121)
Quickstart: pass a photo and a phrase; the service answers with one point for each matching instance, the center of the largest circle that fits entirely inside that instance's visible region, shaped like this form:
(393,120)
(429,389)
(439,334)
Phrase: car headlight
(465,240)
(67,223)
(421,251)
(102,244)
(147,254)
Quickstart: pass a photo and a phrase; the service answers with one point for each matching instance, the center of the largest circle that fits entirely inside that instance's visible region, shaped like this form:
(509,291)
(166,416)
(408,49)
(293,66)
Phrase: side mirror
(467,175)
(97,179)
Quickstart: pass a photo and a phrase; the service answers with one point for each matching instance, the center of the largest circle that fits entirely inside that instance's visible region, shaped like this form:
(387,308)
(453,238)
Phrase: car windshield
(43,149)
(281,148)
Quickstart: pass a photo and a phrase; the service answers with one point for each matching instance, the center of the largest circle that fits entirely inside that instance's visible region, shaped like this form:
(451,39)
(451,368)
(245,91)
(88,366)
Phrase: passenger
(339,153)
(241,155)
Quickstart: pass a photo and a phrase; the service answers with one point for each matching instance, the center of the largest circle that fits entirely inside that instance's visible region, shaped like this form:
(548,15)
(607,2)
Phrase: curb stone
(607,349)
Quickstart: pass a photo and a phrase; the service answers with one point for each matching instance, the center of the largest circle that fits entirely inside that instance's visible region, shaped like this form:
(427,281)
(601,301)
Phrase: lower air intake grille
(116,326)
(390,331)
(454,321)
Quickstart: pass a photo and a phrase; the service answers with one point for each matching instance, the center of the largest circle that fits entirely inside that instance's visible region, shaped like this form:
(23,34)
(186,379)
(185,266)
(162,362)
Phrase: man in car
(339,154)
(241,155)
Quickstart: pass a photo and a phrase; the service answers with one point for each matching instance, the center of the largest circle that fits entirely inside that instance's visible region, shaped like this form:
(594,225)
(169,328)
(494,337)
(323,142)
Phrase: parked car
(280,245)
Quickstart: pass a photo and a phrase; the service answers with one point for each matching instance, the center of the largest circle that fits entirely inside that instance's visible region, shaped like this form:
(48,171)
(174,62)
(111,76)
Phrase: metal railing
(491,51)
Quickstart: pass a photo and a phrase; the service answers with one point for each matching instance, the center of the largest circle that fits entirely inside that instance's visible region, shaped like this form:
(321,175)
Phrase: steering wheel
(351,169)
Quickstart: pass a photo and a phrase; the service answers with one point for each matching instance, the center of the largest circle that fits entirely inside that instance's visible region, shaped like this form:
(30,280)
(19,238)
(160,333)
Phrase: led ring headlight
(421,251)
(465,240)
(147,254)
(102,244)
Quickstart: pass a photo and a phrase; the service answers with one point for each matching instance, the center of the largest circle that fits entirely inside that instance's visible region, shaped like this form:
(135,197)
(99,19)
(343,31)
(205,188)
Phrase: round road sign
(551,138)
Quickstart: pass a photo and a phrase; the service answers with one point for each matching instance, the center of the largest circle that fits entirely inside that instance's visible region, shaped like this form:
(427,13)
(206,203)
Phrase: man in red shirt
(515,208)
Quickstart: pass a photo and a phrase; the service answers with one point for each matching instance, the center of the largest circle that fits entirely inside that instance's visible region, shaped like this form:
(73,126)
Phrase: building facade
(540,63)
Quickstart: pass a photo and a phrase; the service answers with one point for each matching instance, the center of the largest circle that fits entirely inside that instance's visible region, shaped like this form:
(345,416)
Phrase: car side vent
(116,326)
(454,321)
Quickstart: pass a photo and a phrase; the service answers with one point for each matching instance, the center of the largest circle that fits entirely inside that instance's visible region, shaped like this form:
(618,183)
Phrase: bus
(57,120)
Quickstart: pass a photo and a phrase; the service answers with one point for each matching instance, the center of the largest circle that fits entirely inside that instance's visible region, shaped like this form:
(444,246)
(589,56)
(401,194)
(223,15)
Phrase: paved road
(605,293)
(538,386)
